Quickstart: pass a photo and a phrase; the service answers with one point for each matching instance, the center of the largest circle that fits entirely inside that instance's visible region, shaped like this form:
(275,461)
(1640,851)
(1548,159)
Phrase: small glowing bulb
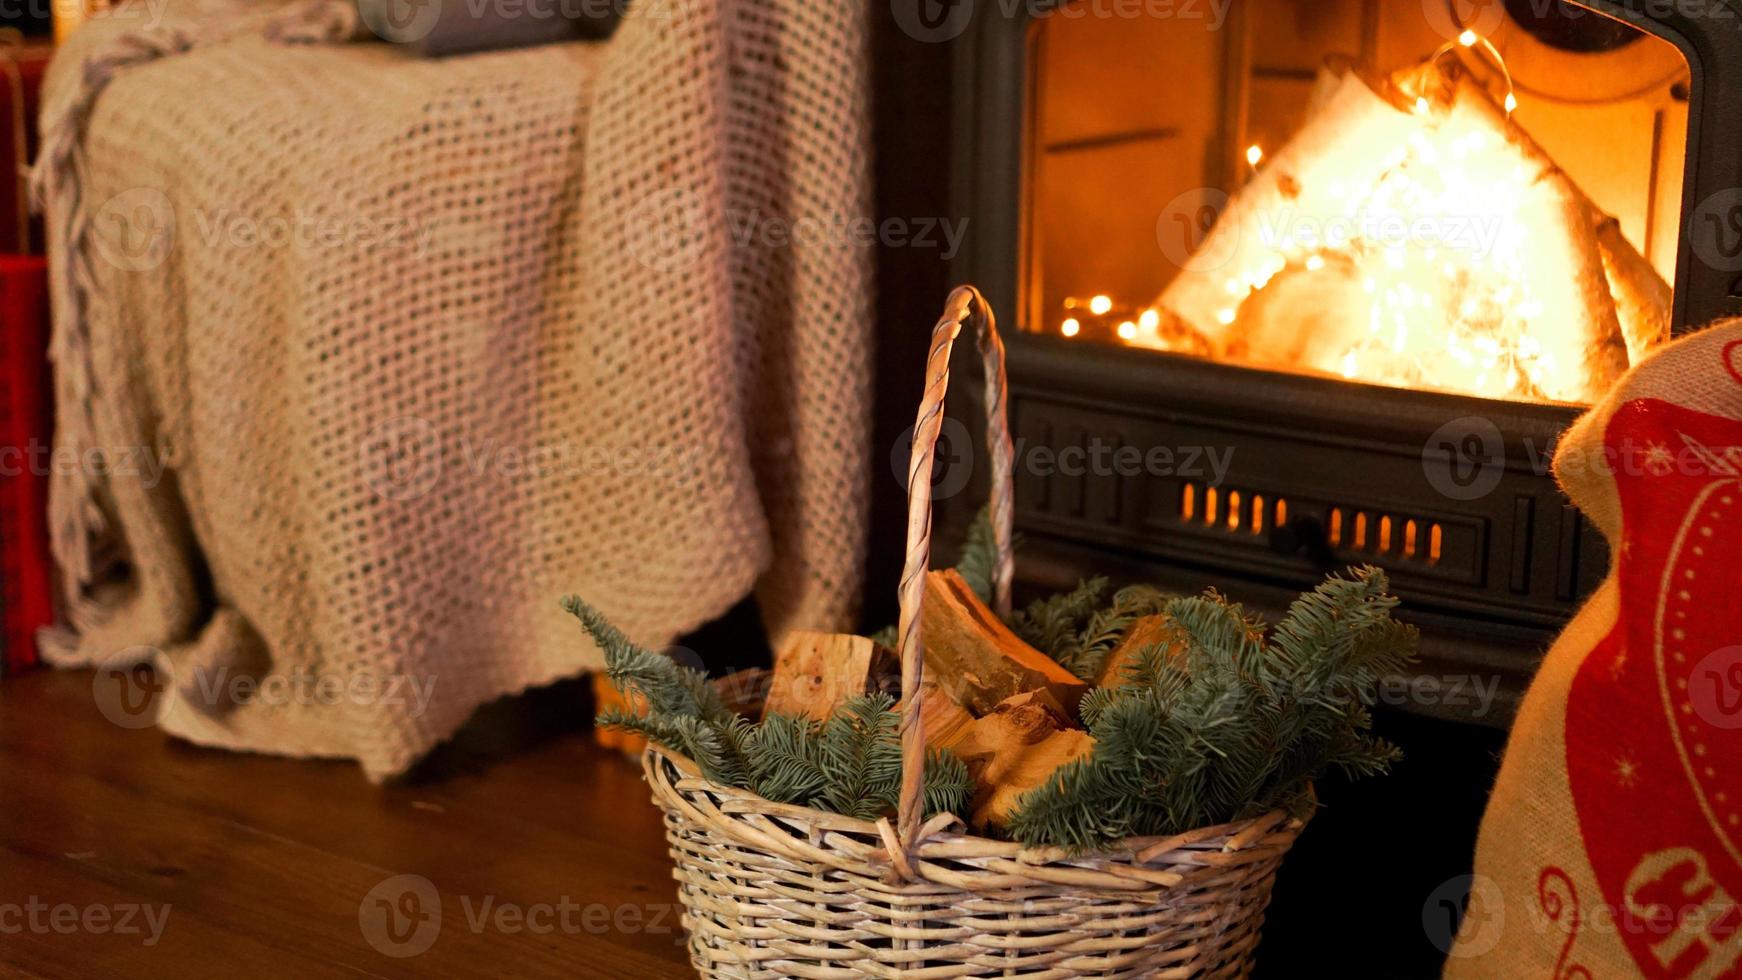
(1225,316)
(1070,327)
(1149,320)
(1099,305)
(1127,330)
(1315,263)
(1421,105)
(1468,39)
(1511,102)
(1254,154)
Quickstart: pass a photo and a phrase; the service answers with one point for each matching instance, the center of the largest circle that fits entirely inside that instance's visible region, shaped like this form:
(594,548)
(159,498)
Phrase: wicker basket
(775,890)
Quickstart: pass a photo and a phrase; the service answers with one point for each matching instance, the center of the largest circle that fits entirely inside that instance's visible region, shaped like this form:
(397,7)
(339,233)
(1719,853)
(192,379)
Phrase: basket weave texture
(771,890)
(776,890)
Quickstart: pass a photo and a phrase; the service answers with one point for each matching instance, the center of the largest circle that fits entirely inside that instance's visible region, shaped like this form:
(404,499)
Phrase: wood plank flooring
(520,850)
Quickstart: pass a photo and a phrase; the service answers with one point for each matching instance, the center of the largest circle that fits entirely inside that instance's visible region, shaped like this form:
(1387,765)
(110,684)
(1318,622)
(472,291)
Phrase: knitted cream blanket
(363,360)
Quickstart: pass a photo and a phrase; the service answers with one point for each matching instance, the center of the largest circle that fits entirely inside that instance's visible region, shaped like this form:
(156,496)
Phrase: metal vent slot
(1382,534)
(1241,512)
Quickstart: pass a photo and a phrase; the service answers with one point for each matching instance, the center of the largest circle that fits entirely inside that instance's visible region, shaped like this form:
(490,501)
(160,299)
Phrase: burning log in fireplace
(1412,234)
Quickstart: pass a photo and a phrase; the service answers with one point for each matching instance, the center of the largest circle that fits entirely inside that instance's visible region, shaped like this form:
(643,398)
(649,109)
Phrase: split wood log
(605,697)
(1360,135)
(945,721)
(745,691)
(1157,630)
(1642,299)
(815,672)
(1017,748)
(1563,262)
(1315,178)
(973,656)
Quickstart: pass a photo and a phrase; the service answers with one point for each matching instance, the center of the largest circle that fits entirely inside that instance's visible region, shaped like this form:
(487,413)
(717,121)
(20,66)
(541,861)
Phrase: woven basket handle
(964,305)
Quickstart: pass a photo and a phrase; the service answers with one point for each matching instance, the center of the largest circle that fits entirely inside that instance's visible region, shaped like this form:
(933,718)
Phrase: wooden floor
(544,850)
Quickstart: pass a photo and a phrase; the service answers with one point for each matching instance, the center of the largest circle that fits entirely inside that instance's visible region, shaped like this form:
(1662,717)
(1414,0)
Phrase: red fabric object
(1612,846)
(32,61)
(26,430)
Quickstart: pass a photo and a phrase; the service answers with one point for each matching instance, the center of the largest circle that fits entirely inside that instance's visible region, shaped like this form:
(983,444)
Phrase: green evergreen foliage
(862,752)
(1087,653)
(851,764)
(979,557)
(1054,625)
(1237,720)
(1237,724)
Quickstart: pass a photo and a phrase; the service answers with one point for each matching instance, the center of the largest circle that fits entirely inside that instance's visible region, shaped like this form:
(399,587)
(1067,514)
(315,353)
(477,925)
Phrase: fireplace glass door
(1427,194)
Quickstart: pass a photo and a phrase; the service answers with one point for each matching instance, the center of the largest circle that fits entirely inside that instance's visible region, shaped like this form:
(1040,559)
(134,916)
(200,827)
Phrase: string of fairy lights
(1451,314)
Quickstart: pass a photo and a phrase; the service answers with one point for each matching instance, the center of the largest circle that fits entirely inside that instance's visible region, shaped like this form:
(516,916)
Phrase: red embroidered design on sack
(1559,900)
(1654,715)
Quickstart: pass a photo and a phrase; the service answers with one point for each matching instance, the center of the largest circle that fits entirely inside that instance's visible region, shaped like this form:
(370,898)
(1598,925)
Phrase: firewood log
(1016,748)
(1642,298)
(973,656)
(1158,630)
(1318,176)
(945,721)
(815,672)
(1362,134)
(1563,262)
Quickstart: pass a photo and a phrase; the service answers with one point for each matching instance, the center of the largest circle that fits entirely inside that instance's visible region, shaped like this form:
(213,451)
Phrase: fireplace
(1296,284)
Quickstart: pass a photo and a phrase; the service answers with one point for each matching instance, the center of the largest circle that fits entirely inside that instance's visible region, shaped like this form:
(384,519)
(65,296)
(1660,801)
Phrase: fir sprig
(851,764)
(1237,723)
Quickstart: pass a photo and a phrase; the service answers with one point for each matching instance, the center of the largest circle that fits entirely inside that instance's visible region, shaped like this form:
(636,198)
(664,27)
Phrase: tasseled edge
(78,528)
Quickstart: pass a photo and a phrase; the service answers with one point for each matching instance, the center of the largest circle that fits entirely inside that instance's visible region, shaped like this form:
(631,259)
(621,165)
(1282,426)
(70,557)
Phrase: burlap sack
(1610,845)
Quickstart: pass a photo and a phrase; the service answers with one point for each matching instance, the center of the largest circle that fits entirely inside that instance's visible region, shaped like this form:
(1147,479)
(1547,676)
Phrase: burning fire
(1411,234)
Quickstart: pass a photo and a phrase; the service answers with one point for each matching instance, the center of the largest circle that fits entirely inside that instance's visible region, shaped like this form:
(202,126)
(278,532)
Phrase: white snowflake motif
(1659,460)
(1626,772)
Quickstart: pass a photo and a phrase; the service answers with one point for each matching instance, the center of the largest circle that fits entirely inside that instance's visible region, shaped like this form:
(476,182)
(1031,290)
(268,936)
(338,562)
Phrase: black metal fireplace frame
(1519,557)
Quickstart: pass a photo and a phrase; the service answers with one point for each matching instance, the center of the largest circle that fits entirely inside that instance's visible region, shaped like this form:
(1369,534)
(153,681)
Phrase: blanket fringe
(78,527)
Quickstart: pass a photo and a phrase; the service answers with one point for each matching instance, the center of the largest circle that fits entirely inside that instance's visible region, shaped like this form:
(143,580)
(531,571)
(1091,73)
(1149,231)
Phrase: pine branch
(1236,725)
(948,784)
(787,764)
(862,751)
(979,557)
(1107,627)
(1052,625)
(668,689)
